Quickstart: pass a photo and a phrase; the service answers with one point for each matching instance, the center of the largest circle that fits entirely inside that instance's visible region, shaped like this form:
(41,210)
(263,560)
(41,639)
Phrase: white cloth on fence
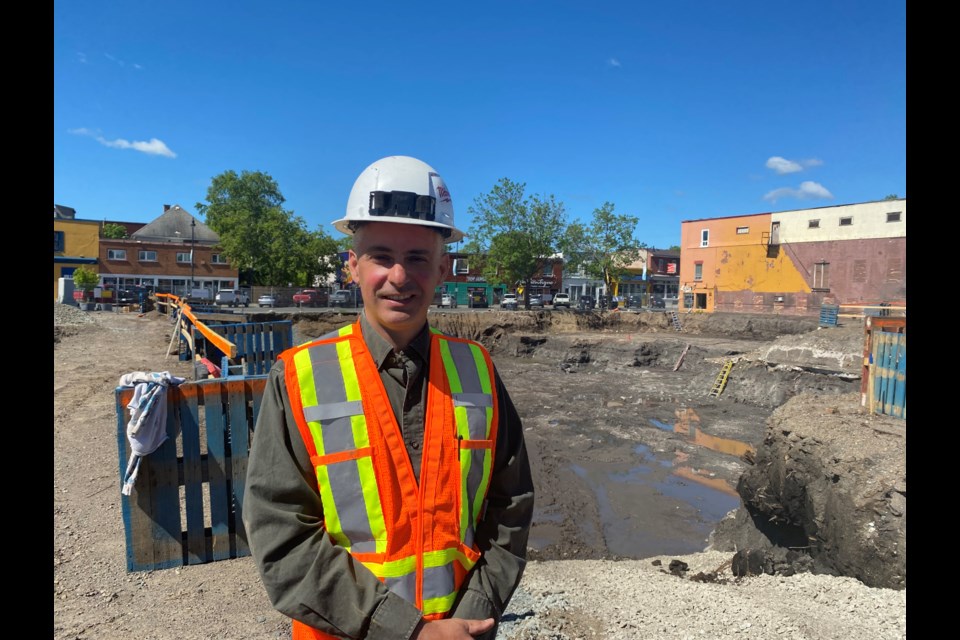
(147,428)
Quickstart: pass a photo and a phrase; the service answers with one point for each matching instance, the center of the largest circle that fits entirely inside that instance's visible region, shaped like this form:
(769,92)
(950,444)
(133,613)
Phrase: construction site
(650,434)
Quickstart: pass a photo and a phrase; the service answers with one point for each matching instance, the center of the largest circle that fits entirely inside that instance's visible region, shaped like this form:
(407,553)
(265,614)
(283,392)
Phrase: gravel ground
(560,600)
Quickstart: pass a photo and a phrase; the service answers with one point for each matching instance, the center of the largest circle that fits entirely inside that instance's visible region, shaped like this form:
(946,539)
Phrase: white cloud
(783,166)
(613,62)
(808,190)
(153,147)
(82,57)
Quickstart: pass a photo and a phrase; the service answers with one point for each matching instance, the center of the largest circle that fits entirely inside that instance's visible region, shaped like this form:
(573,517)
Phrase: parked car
(509,301)
(232,298)
(477,300)
(267,300)
(342,298)
(536,301)
(309,298)
(448,300)
(633,302)
(561,300)
(586,302)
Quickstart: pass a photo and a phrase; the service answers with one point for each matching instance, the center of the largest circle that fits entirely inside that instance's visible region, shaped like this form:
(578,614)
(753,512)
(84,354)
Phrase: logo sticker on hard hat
(443,193)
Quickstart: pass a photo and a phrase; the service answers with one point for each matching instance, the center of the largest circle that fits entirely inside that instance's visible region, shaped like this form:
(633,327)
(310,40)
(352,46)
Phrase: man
(388,490)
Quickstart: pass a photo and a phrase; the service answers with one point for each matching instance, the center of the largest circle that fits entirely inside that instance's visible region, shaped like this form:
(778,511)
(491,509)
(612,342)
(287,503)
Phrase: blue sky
(670,110)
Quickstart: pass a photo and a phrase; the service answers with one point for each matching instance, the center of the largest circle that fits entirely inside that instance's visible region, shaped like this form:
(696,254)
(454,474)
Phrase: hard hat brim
(343,226)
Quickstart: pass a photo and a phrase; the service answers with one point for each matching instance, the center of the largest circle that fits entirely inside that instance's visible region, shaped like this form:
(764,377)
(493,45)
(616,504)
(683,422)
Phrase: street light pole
(193,227)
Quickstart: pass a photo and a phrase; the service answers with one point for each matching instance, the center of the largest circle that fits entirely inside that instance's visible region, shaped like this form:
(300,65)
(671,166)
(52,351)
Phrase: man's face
(398,267)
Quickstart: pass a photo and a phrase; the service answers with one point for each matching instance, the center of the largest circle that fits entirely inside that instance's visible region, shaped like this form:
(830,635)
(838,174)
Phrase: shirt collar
(381,350)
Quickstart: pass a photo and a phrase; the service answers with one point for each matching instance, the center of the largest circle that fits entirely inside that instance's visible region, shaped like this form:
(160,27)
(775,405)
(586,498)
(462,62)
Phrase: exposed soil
(632,456)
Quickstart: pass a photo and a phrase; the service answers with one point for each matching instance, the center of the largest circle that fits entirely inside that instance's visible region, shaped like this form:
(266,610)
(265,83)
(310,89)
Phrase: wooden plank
(237,391)
(900,401)
(217,464)
(893,349)
(157,492)
(184,403)
(131,518)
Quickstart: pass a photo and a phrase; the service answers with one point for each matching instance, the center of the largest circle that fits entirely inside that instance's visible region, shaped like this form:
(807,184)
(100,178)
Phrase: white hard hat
(400,189)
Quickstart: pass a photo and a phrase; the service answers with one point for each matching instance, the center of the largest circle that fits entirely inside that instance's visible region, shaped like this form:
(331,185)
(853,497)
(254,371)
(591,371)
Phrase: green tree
(514,234)
(892,196)
(259,236)
(604,247)
(675,247)
(85,279)
(114,230)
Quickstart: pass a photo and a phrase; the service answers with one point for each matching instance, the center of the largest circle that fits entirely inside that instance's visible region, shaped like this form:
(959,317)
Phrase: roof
(66,213)
(175,223)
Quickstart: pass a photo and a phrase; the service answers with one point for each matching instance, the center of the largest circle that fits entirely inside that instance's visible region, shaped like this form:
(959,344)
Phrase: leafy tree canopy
(259,236)
(85,278)
(892,196)
(605,246)
(675,247)
(514,234)
(114,230)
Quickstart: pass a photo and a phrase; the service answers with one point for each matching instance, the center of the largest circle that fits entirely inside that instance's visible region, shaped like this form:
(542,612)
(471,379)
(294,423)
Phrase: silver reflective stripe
(333,410)
(463,360)
(404,586)
(345,486)
(473,486)
(472,400)
(438,581)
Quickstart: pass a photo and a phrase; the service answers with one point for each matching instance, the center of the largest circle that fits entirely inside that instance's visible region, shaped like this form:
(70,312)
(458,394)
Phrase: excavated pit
(632,456)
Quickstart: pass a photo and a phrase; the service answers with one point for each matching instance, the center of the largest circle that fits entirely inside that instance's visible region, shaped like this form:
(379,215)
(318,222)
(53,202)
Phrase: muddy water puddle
(658,502)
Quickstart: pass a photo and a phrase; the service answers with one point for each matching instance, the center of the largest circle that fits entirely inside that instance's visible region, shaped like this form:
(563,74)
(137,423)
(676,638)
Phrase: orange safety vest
(419,541)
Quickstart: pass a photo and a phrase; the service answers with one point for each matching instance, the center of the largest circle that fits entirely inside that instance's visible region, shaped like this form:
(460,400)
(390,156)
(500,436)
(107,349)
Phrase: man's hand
(453,629)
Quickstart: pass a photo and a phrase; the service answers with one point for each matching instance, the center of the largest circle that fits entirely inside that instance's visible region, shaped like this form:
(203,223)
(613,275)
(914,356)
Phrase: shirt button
(415,445)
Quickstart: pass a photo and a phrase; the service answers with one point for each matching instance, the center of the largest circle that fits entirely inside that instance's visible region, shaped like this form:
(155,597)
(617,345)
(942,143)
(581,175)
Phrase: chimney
(166,207)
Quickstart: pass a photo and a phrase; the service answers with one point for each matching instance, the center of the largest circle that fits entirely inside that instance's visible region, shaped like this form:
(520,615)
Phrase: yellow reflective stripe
(393,568)
(450,367)
(439,605)
(441,558)
(308,391)
(485,385)
(345,331)
(361,436)
(482,369)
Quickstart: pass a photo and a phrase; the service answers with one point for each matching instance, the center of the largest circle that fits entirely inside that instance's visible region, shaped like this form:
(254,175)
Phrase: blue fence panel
(889,354)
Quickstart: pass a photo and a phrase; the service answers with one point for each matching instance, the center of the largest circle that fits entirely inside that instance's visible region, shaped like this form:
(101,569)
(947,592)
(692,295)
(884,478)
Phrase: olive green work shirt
(309,578)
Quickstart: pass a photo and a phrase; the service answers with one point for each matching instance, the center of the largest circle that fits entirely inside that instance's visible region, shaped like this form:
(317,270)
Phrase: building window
(743,230)
(893,216)
(821,276)
(705,238)
(148,256)
(698,271)
(846,222)
(548,269)
(218,258)
(813,224)
(461,266)
(183,256)
(116,254)
(58,240)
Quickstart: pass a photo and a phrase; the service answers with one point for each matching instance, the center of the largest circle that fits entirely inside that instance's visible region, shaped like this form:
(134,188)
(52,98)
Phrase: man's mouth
(399,297)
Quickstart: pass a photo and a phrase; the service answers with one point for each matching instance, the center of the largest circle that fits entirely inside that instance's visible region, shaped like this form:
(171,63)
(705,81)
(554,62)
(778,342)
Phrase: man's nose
(397,272)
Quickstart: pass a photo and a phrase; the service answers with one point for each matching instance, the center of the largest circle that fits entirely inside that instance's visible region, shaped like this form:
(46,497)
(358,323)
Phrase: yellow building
(75,243)
(792,262)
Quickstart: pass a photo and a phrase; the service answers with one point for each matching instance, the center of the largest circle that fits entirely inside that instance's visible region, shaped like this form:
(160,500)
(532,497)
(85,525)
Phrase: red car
(309,298)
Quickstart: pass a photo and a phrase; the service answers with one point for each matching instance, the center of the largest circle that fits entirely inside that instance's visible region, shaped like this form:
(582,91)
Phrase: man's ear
(352,265)
(445,264)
